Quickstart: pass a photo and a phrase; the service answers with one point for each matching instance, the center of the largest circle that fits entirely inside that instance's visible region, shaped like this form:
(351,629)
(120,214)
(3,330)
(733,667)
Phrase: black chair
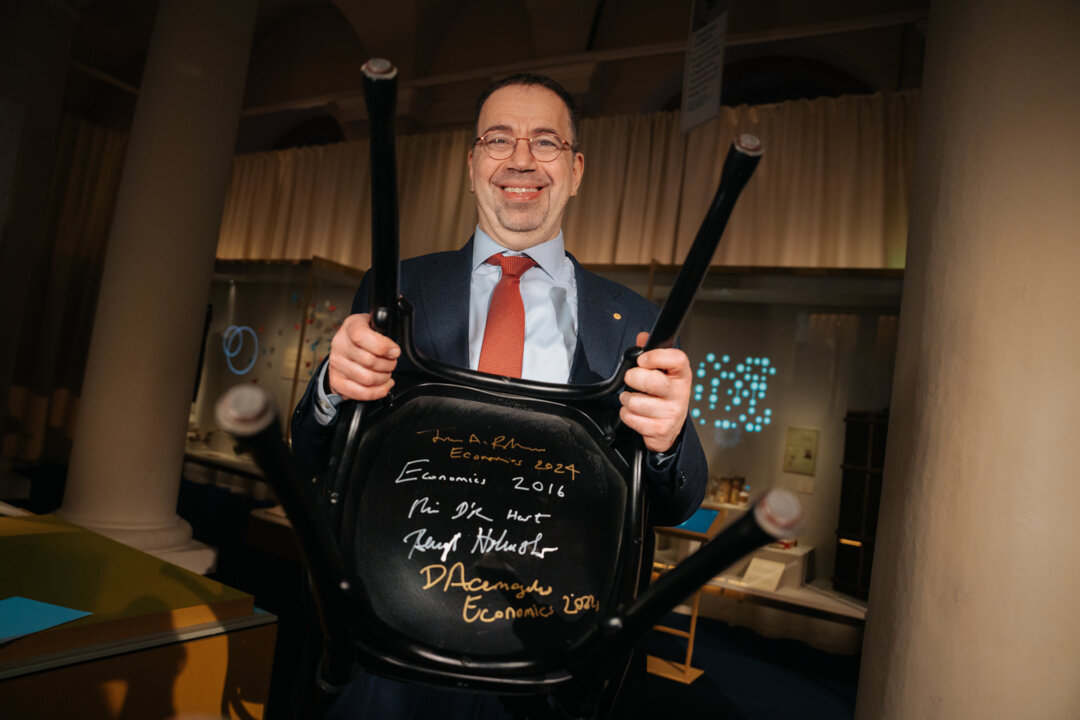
(488,533)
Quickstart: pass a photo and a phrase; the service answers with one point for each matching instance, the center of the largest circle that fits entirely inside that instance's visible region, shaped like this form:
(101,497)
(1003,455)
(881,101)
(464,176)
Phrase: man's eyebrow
(507,128)
(504,128)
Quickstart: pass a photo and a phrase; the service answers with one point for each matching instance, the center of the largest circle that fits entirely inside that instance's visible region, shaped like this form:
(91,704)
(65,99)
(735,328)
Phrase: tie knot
(512,265)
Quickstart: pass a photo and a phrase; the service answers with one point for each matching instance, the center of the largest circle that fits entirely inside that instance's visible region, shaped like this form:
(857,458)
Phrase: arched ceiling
(616,56)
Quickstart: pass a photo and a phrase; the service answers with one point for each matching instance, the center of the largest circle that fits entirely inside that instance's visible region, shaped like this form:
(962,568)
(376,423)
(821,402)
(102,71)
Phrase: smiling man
(520,199)
(513,302)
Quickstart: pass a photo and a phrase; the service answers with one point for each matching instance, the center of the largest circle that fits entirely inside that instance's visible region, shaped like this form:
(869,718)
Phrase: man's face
(520,200)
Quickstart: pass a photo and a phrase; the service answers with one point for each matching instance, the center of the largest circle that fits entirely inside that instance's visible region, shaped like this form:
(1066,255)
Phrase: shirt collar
(549,255)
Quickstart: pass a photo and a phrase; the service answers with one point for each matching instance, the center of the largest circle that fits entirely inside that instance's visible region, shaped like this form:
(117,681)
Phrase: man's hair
(530,79)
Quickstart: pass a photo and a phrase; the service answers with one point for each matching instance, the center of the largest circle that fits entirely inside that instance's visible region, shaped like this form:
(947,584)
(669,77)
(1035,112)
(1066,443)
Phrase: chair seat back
(488,532)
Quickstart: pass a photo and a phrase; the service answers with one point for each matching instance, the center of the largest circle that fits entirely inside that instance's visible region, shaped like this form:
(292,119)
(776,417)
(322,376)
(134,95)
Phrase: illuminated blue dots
(744,384)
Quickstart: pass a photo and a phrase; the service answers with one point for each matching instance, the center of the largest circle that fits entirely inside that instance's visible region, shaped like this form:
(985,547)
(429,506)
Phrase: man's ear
(576,172)
(470,171)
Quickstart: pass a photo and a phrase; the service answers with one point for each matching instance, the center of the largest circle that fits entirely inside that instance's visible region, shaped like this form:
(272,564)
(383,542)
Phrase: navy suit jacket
(609,318)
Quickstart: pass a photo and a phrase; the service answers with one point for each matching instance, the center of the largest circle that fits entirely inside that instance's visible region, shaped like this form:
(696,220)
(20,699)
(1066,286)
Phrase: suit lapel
(441,295)
(601,337)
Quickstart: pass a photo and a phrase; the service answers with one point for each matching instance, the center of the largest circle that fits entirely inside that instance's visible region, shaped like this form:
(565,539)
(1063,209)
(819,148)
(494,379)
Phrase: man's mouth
(521,192)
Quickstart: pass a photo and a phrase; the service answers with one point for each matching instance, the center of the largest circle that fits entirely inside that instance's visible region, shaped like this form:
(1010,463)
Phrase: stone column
(973,600)
(129,442)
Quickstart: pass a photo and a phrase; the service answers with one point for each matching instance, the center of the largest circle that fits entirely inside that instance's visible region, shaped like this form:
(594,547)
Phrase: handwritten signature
(421,542)
(486,542)
(499,442)
(448,578)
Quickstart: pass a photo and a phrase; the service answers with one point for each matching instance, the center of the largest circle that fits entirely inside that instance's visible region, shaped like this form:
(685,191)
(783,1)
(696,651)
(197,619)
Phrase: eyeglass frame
(566,145)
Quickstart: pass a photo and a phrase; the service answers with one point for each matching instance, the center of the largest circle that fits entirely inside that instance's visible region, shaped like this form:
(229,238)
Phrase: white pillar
(973,603)
(129,442)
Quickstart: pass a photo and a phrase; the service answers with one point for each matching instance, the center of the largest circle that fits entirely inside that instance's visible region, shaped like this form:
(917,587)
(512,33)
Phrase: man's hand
(361,360)
(657,410)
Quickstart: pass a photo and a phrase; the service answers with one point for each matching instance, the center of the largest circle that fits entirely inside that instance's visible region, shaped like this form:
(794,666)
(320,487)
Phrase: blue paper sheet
(21,616)
(700,521)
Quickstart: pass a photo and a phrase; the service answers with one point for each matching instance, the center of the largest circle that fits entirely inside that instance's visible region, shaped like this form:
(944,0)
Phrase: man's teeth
(520,189)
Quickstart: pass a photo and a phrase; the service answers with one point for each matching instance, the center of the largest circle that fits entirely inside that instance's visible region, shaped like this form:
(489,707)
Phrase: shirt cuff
(659,460)
(325,407)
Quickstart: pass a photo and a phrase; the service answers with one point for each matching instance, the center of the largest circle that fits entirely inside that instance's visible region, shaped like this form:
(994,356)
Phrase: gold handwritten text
(438,575)
(457,453)
(471,613)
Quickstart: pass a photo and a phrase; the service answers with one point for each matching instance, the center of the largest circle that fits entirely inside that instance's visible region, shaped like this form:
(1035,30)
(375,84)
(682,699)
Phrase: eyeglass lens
(500,146)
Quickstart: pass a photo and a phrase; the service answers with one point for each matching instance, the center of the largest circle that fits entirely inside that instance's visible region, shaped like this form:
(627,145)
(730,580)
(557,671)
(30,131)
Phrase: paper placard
(763,574)
(800,451)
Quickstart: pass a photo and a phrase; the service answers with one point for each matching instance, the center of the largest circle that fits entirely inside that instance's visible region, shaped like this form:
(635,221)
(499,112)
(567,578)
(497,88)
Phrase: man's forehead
(533,105)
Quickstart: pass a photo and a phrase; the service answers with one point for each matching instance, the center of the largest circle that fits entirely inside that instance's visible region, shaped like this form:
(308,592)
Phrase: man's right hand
(361,360)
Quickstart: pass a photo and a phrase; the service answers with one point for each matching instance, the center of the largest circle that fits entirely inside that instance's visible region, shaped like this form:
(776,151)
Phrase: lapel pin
(617,316)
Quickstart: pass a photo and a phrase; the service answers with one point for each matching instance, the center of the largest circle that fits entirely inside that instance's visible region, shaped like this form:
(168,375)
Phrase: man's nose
(522,157)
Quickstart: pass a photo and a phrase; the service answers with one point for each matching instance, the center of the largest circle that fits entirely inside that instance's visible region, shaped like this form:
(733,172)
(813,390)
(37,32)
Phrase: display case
(268,323)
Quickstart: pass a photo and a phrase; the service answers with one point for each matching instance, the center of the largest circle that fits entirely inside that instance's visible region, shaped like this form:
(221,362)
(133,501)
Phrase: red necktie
(504,333)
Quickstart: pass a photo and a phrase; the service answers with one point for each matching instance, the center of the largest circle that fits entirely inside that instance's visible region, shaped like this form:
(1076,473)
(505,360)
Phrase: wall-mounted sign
(704,67)
(800,453)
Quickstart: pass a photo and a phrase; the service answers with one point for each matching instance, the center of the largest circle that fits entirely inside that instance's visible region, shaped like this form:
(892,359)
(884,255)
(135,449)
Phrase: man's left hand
(657,410)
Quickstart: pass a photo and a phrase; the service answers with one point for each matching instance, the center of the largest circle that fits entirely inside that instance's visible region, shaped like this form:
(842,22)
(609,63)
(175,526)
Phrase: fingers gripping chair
(481,532)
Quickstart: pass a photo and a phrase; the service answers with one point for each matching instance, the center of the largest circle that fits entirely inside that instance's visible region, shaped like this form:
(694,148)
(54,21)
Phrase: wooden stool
(702,526)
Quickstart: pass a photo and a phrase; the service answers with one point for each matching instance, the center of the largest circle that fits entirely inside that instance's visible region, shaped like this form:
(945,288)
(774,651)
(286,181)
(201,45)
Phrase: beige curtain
(56,331)
(831,191)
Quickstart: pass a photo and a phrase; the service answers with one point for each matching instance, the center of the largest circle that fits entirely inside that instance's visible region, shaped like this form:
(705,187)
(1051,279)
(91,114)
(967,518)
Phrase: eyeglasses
(500,145)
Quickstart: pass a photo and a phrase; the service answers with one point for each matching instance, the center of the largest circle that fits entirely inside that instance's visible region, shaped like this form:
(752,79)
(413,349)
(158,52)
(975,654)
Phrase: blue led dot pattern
(736,380)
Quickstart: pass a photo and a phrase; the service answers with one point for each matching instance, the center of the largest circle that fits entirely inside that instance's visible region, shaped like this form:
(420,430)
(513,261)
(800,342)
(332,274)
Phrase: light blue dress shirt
(549,294)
